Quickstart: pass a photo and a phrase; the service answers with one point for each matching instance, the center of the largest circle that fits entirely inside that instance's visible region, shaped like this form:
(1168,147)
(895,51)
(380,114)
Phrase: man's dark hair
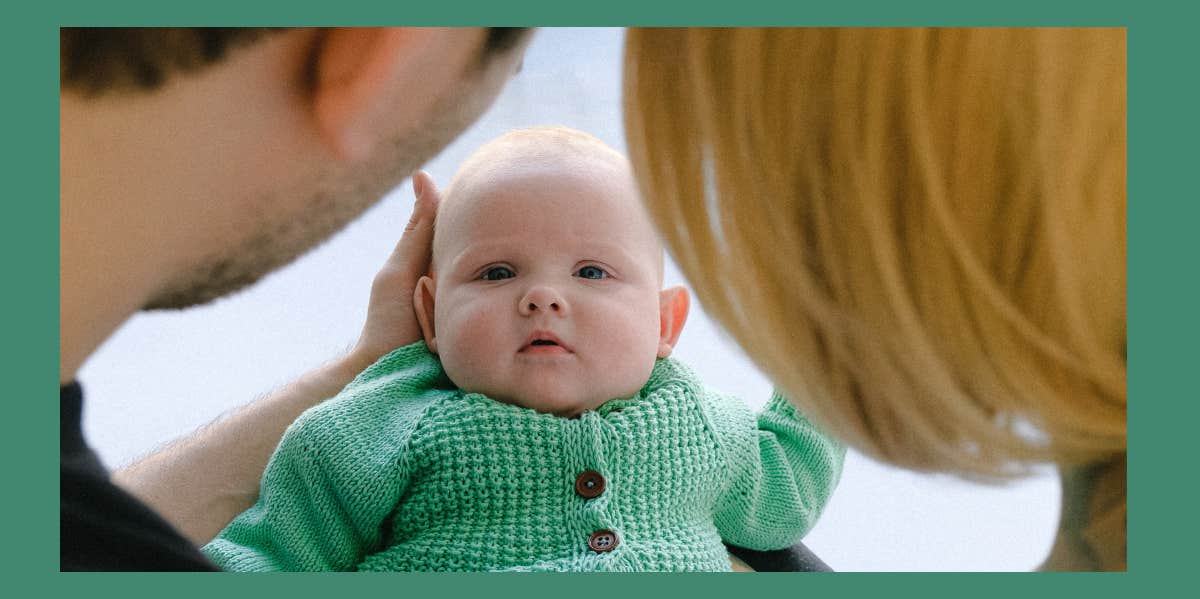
(501,39)
(96,60)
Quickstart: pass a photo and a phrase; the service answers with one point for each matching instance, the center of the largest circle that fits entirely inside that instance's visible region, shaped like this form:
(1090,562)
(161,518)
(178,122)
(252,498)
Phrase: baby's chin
(554,397)
(561,405)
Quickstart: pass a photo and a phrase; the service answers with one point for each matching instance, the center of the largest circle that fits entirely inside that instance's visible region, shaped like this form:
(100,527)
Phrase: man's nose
(541,298)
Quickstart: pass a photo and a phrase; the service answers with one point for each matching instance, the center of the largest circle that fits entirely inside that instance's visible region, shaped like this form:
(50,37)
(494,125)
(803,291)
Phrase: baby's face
(547,286)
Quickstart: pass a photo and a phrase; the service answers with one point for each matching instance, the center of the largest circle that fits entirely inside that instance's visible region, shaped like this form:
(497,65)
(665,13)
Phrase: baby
(540,424)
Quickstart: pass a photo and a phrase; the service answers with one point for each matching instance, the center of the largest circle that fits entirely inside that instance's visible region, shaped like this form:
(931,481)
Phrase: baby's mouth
(542,342)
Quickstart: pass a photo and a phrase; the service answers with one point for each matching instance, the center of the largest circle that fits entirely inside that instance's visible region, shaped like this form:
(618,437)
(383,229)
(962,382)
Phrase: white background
(163,374)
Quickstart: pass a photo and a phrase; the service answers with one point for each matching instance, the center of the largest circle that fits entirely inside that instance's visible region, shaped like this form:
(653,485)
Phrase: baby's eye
(592,272)
(497,273)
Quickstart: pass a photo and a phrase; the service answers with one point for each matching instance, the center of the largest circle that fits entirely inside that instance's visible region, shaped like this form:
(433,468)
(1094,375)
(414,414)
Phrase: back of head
(919,234)
(99,60)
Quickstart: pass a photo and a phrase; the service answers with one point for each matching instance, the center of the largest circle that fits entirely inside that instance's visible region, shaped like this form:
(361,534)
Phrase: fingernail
(418,184)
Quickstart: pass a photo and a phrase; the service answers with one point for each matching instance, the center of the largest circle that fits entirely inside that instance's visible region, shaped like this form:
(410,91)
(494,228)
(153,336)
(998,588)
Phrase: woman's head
(919,234)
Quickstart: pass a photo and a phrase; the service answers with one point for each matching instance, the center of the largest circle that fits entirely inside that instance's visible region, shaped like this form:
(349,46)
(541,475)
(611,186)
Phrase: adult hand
(391,321)
(200,482)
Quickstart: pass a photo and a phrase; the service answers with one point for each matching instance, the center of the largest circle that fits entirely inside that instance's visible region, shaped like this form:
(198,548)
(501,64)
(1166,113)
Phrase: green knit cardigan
(402,471)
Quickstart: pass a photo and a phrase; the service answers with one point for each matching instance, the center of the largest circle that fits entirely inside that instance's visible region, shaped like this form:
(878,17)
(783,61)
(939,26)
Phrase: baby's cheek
(469,342)
(631,344)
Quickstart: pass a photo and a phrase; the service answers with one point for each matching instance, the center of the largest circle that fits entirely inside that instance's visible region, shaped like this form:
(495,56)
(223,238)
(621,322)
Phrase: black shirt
(101,526)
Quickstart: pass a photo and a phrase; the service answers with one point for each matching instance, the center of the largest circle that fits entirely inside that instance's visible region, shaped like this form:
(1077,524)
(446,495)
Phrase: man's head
(95,61)
(289,134)
(547,276)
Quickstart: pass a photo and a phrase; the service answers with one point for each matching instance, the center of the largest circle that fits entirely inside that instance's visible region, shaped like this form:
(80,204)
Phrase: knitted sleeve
(781,474)
(336,476)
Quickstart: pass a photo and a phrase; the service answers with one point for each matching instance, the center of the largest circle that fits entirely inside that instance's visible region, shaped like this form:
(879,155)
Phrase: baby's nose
(542,299)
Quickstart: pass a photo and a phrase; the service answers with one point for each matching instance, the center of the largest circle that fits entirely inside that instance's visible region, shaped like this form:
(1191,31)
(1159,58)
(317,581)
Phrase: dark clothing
(101,526)
(797,558)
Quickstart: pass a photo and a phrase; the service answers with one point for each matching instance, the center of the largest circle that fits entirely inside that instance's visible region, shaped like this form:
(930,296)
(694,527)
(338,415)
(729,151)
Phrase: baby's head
(546,282)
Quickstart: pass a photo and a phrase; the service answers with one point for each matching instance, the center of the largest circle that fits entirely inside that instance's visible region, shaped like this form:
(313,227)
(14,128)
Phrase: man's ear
(362,75)
(423,306)
(673,304)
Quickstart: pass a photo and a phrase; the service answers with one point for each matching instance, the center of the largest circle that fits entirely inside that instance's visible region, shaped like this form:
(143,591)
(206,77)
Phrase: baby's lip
(544,341)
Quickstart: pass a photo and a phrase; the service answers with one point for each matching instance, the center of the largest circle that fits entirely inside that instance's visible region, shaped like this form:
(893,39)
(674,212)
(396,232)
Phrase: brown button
(603,541)
(589,484)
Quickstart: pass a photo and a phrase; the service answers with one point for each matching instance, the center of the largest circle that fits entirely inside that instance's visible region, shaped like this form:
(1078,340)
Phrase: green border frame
(1163,291)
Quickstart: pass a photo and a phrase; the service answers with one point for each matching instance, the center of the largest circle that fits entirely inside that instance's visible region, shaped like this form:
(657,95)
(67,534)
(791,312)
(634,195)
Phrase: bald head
(557,158)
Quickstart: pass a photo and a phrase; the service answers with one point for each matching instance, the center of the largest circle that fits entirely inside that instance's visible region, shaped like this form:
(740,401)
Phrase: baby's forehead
(522,152)
(549,158)
(591,176)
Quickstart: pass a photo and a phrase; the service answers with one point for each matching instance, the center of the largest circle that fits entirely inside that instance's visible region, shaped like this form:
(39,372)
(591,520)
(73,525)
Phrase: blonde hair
(918,234)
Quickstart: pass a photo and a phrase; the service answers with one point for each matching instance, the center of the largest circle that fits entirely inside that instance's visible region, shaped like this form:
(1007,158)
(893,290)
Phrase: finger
(412,252)
(428,199)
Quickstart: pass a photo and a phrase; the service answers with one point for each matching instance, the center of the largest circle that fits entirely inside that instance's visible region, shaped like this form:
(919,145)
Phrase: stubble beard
(331,207)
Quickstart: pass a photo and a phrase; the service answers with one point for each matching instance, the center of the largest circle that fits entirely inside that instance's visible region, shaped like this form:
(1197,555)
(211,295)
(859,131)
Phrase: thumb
(412,252)
(428,198)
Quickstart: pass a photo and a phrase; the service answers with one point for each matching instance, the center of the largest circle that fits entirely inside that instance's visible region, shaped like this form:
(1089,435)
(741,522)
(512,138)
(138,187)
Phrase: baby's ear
(423,306)
(673,304)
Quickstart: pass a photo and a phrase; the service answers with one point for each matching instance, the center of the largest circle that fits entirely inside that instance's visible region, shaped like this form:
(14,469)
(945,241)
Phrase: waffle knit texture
(402,471)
